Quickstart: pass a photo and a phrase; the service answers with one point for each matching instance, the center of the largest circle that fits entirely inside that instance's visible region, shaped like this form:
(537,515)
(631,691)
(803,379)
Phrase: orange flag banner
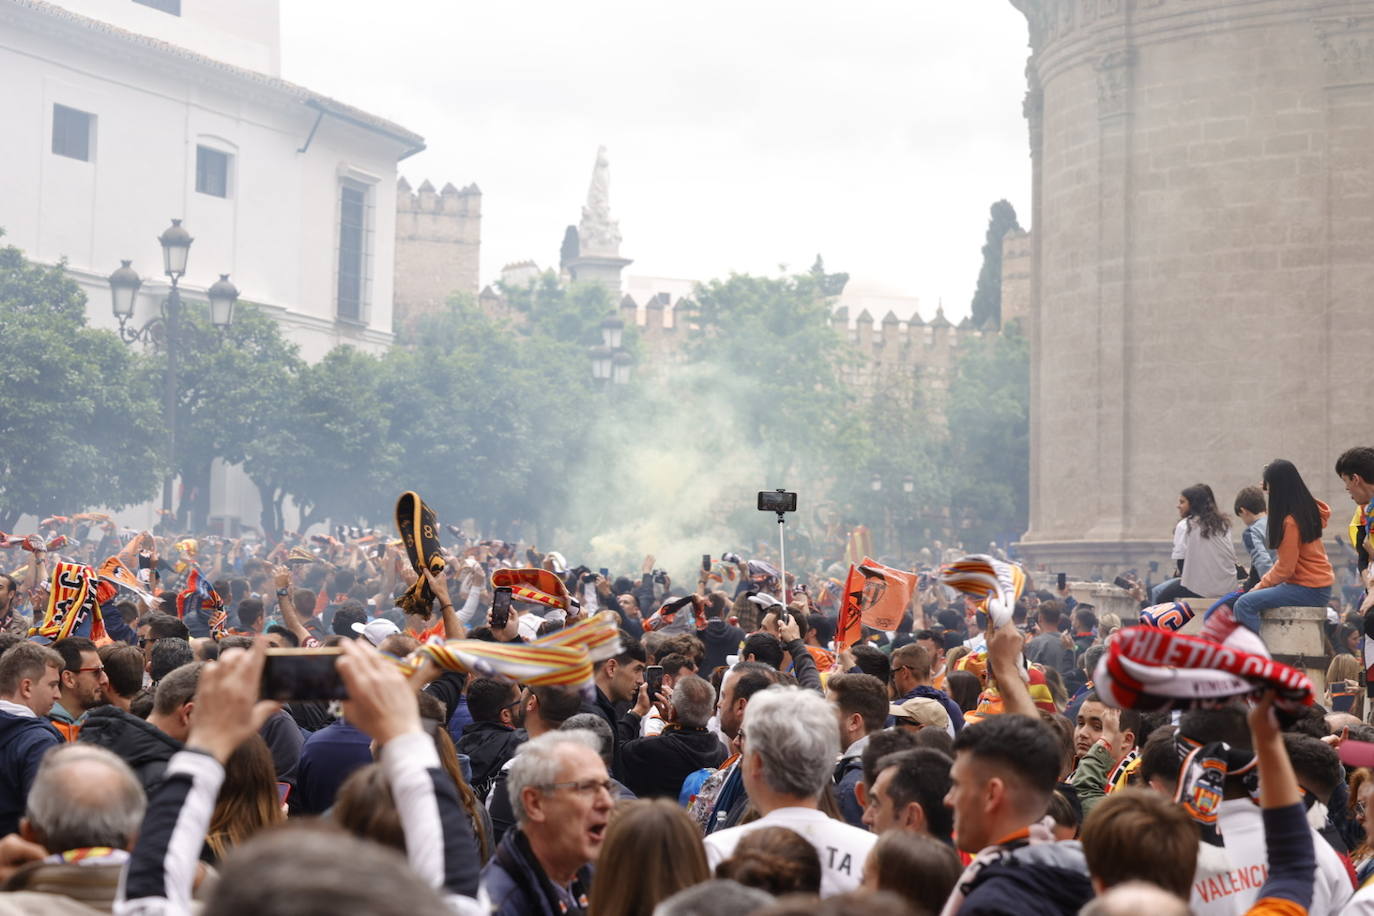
(874,596)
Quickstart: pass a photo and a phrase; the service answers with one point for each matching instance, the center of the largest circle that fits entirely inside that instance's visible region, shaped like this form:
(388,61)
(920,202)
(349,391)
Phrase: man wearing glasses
(494,733)
(561,794)
(82,685)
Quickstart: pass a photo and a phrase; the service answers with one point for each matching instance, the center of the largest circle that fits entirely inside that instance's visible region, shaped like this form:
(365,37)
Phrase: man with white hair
(84,811)
(656,766)
(790,746)
(561,794)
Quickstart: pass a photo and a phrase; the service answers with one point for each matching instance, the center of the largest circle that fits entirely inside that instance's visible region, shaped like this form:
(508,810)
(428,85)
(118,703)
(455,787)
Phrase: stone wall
(438,240)
(1203,201)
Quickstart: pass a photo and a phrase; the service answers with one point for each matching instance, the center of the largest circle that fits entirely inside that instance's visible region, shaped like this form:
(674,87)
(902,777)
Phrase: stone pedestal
(1294,637)
(1106,599)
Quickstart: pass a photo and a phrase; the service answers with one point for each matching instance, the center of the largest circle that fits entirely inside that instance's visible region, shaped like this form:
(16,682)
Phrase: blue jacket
(515,884)
(23,742)
(329,757)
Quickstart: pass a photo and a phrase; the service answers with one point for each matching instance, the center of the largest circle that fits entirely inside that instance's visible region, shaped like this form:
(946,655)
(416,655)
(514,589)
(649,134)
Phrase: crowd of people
(726,753)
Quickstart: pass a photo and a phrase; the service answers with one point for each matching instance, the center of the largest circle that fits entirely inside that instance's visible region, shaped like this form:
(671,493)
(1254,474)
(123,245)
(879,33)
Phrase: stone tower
(597,258)
(1203,193)
(438,241)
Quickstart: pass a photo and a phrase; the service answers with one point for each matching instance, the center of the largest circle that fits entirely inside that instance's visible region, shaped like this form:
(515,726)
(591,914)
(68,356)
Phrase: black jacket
(488,746)
(516,885)
(721,640)
(145,748)
(623,727)
(655,767)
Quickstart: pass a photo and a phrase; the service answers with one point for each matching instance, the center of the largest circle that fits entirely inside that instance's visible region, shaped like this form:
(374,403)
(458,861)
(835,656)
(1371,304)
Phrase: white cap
(374,631)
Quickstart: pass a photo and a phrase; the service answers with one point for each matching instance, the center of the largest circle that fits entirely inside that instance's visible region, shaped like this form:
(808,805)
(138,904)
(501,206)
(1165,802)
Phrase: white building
(122,114)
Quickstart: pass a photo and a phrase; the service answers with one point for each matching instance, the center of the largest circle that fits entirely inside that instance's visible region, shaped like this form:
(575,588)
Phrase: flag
(200,606)
(72,606)
(849,625)
(858,545)
(115,578)
(874,596)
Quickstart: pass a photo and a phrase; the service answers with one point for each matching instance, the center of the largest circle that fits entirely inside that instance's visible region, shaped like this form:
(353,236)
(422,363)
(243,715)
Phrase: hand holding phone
(302,674)
(653,676)
(500,608)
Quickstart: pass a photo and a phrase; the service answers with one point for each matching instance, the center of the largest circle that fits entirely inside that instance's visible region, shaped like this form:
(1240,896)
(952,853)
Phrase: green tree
(987,297)
(782,367)
(989,440)
(231,387)
(501,411)
(79,432)
(327,443)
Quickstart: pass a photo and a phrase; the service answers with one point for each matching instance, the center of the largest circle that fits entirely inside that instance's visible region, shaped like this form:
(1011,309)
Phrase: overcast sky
(742,134)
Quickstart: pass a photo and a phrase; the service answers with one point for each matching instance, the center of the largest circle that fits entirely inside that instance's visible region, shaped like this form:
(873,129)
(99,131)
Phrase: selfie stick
(782,559)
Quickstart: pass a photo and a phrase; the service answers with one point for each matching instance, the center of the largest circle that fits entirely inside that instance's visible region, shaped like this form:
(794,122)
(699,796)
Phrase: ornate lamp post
(124,286)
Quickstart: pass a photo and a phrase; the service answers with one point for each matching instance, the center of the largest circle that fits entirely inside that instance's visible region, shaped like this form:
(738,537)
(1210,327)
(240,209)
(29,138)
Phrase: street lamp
(223,295)
(877,484)
(908,484)
(124,285)
(620,367)
(176,247)
(611,330)
(601,363)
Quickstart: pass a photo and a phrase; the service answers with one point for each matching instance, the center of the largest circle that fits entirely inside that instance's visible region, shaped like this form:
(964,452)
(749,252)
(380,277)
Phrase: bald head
(83,796)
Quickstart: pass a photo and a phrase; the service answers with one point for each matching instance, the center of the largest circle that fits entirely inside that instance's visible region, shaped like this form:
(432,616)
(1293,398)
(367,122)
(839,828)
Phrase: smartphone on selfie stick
(780,502)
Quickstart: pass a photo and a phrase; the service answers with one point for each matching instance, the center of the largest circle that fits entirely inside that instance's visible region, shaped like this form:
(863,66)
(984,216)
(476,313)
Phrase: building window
(167,6)
(212,172)
(353,214)
(72,132)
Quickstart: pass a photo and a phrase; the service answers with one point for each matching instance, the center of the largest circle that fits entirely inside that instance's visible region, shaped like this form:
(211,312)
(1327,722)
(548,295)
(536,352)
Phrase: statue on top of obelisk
(598,234)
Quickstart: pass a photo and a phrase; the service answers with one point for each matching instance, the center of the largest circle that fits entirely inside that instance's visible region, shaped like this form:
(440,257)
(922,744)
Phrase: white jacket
(1231,893)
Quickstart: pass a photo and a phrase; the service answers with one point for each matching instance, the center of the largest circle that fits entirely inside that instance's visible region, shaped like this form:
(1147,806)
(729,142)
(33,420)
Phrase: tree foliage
(79,431)
(989,440)
(783,366)
(232,387)
(987,297)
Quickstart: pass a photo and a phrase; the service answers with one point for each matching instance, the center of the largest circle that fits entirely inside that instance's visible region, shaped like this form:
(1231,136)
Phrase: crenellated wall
(438,241)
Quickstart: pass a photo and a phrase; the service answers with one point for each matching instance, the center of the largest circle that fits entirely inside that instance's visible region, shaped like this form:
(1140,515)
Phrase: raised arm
(440,844)
(287,606)
(158,879)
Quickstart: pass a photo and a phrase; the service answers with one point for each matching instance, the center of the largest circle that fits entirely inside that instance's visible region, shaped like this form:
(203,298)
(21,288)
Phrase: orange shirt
(424,635)
(1299,563)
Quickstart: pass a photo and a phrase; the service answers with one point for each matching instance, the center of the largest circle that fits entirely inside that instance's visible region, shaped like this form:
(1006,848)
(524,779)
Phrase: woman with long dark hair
(1207,567)
(1301,575)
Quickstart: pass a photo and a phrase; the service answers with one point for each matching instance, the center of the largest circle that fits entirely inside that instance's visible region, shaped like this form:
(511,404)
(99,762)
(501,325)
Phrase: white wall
(276,235)
(245,33)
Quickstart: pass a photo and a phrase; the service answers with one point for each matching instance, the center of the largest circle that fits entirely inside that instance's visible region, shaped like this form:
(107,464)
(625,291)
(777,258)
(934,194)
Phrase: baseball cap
(376,630)
(922,711)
